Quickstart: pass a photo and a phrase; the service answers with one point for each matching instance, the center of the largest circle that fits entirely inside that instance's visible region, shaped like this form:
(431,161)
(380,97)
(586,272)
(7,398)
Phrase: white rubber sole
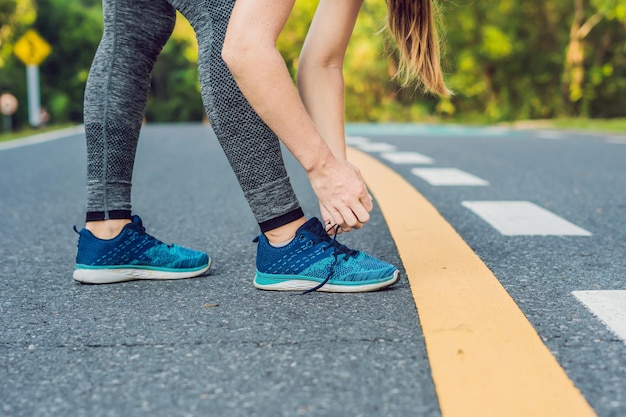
(304,285)
(110,276)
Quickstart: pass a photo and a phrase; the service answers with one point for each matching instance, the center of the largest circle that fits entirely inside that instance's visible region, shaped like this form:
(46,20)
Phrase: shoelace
(339,249)
(142,232)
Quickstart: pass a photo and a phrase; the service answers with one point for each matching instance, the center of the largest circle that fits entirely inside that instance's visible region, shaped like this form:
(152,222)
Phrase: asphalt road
(215,345)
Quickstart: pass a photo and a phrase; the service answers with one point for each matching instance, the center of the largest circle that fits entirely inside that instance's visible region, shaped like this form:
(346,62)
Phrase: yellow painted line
(486,358)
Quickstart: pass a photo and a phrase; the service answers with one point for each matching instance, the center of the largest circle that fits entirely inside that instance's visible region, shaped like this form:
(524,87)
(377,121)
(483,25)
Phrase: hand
(343,196)
(330,226)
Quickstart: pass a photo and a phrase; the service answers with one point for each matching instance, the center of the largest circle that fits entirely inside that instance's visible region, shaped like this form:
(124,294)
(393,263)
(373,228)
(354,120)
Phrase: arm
(261,74)
(320,73)
(320,69)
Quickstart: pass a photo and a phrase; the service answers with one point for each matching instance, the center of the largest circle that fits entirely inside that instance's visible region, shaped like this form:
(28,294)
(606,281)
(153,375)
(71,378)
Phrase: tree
(585,19)
(506,60)
(175,93)
(15,17)
(64,72)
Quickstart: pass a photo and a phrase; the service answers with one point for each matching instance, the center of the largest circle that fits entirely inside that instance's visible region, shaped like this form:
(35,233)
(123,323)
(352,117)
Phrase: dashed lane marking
(448,177)
(425,130)
(356,140)
(523,218)
(376,147)
(608,306)
(407,158)
(486,358)
(550,134)
(616,140)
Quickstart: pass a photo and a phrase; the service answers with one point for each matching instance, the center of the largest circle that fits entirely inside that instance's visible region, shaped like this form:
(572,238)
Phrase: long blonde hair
(413,25)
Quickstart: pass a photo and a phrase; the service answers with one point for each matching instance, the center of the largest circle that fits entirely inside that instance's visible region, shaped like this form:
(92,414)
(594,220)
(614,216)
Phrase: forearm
(322,91)
(263,78)
(320,70)
(250,53)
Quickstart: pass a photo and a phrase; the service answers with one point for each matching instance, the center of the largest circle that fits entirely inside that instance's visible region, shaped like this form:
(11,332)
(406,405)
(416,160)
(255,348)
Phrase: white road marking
(407,158)
(550,134)
(356,140)
(616,140)
(608,306)
(376,147)
(42,137)
(497,130)
(448,177)
(424,130)
(523,218)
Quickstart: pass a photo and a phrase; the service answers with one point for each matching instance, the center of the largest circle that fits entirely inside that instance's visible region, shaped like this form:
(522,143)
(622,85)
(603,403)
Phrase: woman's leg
(251,147)
(115,100)
(113,246)
(311,261)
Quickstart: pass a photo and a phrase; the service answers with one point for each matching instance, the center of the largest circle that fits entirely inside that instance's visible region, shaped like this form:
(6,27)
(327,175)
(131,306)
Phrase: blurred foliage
(175,93)
(506,60)
(16,16)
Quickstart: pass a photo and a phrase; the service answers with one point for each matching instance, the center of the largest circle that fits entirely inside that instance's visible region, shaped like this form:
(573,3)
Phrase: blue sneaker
(315,262)
(134,254)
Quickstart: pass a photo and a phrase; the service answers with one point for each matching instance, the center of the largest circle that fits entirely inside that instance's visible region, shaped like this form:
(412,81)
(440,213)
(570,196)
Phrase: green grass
(587,125)
(599,125)
(30,131)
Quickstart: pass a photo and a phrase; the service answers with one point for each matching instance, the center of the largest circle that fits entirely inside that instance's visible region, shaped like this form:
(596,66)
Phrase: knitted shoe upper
(313,253)
(134,247)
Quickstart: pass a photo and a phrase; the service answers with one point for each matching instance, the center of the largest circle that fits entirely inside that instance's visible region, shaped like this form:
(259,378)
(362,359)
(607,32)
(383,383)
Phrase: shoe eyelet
(301,237)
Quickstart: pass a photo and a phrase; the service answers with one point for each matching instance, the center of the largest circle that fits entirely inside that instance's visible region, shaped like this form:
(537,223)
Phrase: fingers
(356,215)
(348,217)
(346,220)
(349,229)
(330,227)
(344,199)
(360,214)
(368,202)
(333,228)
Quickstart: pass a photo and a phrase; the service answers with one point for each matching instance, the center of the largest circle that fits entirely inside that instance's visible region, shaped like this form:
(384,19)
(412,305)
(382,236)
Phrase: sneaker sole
(295,283)
(92,275)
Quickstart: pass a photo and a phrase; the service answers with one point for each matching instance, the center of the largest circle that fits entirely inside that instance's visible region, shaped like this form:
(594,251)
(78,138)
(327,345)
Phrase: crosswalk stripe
(523,218)
(609,306)
(486,358)
(448,177)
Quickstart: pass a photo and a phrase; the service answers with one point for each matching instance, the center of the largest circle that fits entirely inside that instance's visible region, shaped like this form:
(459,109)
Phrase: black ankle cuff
(281,220)
(93,216)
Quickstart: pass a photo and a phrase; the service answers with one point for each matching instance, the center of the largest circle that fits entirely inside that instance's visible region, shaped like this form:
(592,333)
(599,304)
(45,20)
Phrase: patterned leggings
(117,90)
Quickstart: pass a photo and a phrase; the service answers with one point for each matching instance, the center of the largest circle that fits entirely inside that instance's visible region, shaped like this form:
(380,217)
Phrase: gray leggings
(117,90)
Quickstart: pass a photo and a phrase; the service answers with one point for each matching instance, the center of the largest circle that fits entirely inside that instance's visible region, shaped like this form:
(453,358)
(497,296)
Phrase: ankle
(106,229)
(284,233)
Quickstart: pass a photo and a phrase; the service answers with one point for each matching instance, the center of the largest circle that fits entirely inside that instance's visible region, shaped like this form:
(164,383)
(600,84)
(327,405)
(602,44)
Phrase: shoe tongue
(137,220)
(313,225)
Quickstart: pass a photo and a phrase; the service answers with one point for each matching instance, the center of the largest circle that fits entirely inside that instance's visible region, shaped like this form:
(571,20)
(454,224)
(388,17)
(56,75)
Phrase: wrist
(320,159)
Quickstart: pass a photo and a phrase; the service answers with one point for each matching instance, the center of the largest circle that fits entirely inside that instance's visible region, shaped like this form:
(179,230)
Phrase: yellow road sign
(32,49)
